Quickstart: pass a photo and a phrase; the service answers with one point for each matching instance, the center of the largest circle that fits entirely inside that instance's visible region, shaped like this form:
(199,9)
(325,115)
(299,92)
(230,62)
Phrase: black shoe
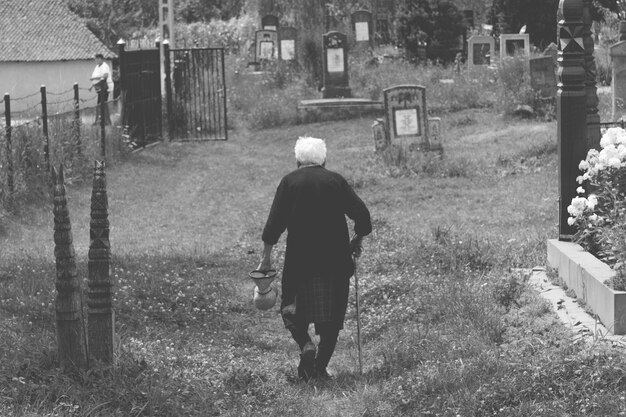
(323,375)
(306,368)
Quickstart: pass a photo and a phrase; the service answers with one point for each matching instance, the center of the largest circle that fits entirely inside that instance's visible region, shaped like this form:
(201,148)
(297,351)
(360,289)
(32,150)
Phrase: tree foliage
(111,20)
(439,24)
(539,16)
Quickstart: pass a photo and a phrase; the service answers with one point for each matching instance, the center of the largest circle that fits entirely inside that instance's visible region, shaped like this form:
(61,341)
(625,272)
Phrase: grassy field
(448,329)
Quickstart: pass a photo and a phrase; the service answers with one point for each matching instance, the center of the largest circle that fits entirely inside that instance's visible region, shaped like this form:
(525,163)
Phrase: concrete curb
(585,327)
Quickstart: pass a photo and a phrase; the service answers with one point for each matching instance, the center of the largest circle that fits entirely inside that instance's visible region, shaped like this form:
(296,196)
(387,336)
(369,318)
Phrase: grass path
(195,212)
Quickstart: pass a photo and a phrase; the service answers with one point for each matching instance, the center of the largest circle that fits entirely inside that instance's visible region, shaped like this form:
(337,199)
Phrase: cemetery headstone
(405,114)
(362,26)
(512,44)
(434,134)
(266,45)
(552,51)
(383,12)
(543,76)
(269,22)
(381,139)
(617,52)
(335,60)
(481,51)
(288,39)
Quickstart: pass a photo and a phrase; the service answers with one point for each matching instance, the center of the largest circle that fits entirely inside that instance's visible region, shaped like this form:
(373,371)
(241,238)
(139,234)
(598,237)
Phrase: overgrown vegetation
(447,328)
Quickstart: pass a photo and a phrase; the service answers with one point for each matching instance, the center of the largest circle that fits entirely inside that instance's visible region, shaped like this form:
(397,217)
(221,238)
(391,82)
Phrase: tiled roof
(45,30)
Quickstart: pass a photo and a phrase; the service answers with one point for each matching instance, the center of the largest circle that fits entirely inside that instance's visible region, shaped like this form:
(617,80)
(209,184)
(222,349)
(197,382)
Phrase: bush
(599,211)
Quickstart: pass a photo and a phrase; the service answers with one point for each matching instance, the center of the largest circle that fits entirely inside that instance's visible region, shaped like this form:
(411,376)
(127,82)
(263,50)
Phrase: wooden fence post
(121,45)
(168,89)
(44,126)
(103,149)
(101,316)
(9,146)
(77,122)
(69,314)
(571,107)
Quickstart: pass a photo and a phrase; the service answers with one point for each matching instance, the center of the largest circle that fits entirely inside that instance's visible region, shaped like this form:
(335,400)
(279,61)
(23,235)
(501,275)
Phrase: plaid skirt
(323,300)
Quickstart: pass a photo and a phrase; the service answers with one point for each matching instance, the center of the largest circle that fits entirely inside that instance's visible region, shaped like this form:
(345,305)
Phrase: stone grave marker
(405,114)
(269,22)
(335,60)
(266,45)
(481,50)
(381,139)
(362,26)
(512,44)
(552,51)
(383,13)
(543,76)
(617,52)
(434,134)
(288,37)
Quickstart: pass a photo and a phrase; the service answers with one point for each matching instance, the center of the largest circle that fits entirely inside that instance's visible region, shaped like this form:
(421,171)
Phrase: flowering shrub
(600,216)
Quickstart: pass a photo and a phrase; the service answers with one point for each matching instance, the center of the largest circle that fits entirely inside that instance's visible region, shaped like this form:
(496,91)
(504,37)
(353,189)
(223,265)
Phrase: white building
(43,43)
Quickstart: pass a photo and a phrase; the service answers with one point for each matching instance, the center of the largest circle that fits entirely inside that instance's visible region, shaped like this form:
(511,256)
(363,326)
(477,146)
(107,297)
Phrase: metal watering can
(265,294)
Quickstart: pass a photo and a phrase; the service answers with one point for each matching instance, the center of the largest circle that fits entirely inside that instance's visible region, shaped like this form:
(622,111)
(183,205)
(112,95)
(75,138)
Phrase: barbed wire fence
(52,128)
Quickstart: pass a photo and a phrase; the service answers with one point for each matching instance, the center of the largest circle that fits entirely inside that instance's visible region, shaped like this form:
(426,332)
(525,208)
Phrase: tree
(439,24)
(539,16)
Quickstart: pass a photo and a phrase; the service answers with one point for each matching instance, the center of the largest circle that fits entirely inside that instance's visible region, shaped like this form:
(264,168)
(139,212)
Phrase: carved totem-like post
(101,316)
(593,118)
(571,107)
(69,314)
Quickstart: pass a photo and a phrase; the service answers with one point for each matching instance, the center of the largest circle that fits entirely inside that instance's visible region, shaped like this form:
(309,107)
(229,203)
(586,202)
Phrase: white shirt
(99,72)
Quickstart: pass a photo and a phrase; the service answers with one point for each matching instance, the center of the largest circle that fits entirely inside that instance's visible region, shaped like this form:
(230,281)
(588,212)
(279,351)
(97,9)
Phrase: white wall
(21,79)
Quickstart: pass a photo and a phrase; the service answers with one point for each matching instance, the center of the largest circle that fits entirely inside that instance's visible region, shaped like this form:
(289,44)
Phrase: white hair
(310,151)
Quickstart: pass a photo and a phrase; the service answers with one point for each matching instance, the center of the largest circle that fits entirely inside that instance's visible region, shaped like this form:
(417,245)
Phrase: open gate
(141,95)
(196,94)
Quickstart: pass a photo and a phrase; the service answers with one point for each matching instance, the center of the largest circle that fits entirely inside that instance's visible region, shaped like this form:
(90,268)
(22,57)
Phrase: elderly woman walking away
(312,203)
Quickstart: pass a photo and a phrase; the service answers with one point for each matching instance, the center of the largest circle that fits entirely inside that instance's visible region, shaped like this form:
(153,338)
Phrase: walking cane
(358,318)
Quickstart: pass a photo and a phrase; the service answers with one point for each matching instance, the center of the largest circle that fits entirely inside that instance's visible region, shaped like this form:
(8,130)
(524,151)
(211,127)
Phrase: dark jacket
(311,203)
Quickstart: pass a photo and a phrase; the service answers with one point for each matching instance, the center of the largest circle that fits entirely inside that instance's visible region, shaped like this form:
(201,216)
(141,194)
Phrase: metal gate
(141,95)
(196,94)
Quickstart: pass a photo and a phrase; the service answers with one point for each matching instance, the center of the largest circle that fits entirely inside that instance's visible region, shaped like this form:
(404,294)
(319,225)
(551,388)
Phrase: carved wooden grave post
(69,315)
(101,316)
(593,118)
(571,107)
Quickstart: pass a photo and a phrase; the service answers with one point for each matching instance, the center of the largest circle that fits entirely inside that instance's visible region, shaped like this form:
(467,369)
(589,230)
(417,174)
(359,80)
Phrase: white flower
(583,166)
(571,221)
(577,207)
(580,190)
(579,179)
(593,218)
(592,201)
(613,136)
